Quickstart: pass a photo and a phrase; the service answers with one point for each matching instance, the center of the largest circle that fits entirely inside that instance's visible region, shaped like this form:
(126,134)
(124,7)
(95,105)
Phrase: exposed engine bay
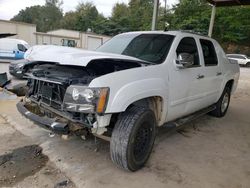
(78,74)
(48,84)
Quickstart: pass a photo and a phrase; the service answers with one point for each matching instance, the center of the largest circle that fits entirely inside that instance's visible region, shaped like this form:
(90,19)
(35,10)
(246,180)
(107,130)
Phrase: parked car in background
(127,87)
(241,58)
(12,48)
(17,68)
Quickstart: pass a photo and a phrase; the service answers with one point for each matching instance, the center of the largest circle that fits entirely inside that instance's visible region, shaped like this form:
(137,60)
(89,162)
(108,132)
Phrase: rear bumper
(44,122)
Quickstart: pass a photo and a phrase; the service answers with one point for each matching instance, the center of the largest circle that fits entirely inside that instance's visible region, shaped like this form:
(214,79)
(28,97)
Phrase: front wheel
(133,138)
(222,104)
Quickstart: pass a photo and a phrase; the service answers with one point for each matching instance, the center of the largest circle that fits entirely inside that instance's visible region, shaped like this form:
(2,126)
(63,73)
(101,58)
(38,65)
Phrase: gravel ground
(209,152)
(22,163)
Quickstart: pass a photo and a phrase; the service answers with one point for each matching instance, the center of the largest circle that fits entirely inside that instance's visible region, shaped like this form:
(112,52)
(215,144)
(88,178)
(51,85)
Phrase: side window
(188,45)
(231,56)
(21,48)
(241,57)
(209,53)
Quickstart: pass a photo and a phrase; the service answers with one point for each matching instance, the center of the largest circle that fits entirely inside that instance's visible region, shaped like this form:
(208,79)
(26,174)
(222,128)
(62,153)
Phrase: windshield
(148,47)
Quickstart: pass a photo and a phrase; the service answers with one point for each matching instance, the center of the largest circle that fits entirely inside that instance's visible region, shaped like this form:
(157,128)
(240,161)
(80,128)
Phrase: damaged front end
(60,100)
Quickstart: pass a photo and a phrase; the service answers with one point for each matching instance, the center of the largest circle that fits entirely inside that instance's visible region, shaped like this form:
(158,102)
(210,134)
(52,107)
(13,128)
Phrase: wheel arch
(230,84)
(155,103)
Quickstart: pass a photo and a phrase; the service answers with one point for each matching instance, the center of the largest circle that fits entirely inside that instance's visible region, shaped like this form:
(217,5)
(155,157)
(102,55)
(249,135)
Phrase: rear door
(213,74)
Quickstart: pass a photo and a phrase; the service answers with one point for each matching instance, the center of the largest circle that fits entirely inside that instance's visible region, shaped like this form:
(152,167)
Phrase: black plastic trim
(44,122)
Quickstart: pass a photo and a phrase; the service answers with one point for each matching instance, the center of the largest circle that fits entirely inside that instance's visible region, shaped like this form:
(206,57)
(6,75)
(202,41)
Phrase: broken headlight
(85,99)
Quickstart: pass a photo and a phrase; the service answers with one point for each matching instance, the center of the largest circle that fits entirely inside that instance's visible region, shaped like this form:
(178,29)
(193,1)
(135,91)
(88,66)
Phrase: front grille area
(50,93)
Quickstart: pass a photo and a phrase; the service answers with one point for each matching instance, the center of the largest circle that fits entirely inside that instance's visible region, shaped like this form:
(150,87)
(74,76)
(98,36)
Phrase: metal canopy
(222,3)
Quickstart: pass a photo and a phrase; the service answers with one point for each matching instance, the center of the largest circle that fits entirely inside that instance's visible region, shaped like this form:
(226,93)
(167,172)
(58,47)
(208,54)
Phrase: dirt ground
(209,152)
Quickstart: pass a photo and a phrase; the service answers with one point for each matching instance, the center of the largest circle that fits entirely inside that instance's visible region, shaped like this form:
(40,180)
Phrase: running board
(181,121)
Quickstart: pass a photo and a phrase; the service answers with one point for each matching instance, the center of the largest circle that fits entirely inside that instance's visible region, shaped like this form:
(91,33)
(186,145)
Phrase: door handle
(199,76)
(218,73)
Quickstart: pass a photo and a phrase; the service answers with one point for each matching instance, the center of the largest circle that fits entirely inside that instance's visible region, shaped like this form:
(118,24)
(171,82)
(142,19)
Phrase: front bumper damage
(61,123)
(45,122)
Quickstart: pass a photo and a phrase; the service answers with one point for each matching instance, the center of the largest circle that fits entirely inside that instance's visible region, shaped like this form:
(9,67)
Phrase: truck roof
(171,32)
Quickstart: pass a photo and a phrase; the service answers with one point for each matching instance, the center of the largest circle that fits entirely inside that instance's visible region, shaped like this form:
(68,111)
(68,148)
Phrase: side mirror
(185,60)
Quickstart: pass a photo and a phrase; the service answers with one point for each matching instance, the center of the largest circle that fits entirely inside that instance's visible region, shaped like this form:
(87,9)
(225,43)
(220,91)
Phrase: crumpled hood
(70,56)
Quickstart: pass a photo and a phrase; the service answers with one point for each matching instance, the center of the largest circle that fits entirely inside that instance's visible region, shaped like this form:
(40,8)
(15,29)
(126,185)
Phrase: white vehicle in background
(132,84)
(12,48)
(242,59)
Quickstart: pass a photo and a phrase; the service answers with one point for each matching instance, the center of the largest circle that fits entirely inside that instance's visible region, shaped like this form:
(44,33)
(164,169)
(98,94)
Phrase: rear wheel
(133,138)
(222,104)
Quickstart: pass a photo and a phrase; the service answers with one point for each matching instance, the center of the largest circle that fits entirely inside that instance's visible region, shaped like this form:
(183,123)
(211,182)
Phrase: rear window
(209,53)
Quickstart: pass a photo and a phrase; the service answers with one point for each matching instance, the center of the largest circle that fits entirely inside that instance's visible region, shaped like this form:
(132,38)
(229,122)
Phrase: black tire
(248,64)
(221,107)
(133,138)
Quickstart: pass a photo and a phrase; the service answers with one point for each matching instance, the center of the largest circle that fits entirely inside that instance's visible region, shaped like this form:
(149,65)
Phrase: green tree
(69,20)
(87,14)
(231,27)
(52,15)
(56,3)
(120,20)
(191,15)
(119,10)
(46,17)
(140,12)
(232,24)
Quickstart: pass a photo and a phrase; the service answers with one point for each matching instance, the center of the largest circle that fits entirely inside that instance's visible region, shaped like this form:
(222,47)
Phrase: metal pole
(155,14)
(211,25)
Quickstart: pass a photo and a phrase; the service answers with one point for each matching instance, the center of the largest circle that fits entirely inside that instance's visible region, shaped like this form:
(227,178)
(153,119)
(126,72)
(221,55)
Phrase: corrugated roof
(221,3)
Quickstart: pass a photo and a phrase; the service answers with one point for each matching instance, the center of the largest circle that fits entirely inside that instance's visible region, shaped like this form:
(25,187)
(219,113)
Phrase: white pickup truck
(132,84)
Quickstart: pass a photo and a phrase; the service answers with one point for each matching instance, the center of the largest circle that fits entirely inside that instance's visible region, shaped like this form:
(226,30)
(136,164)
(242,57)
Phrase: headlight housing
(85,99)
(20,66)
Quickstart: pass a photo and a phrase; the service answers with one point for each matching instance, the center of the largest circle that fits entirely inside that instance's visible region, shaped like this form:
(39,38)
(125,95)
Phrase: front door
(186,89)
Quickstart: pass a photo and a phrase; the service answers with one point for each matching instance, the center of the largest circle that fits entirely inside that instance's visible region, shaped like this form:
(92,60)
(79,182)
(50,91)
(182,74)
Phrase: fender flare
(134,91)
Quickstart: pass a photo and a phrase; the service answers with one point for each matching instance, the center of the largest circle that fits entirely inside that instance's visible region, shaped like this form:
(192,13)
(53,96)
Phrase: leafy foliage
(191,15)
(86,15)
(69,20)
(46,17)
(231,24)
